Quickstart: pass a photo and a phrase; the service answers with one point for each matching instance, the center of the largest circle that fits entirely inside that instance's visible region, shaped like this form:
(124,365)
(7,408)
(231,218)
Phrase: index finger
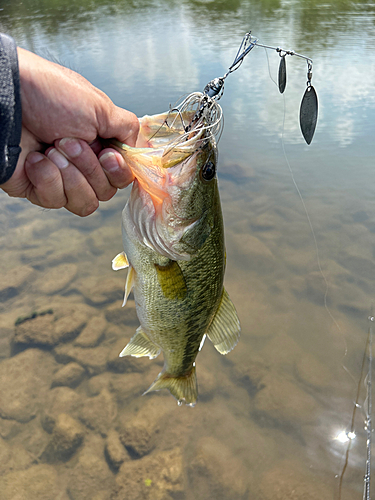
(81,155)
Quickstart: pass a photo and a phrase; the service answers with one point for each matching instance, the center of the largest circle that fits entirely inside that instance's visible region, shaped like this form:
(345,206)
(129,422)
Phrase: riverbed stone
(67,436)
(39,331)
(282,400)
(158,476)
(14,281)
(288,480)
(99,291)
(39,482)
(214,472)
(123,316)
(138,436)
(93,332)
(48,329)
(25,380)
(91,477)
(60,400)
(93,359)
(99,412)
(70,375)
(115,451)
(56,278)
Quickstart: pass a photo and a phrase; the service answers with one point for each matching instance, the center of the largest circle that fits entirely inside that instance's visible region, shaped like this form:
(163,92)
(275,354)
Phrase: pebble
(98,413)
(155,477)
(93,332)
(281,400)
(39,482)
(59,400)
(67,436)
(138,436)
(214,472)
(14,281)
(25,380)
(115,452)
(91,477)
(55,279)
(123,316)
(93,359)
(70,375)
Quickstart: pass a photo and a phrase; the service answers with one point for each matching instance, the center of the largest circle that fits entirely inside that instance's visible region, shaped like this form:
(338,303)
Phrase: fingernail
(58,159)
(35,157)
(71,147)
(109,162)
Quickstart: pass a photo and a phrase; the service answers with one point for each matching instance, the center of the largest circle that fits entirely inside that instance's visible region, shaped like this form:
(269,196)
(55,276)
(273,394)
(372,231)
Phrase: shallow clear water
(269,412)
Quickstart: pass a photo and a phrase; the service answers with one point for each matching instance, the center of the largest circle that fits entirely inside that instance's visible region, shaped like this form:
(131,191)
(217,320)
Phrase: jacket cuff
(10,108)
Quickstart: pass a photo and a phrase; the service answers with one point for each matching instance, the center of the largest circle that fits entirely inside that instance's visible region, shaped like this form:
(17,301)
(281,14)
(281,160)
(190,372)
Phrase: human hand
(62,109)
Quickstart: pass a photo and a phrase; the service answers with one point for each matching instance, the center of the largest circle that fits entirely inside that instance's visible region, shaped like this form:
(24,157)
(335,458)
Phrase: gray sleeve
(10,108)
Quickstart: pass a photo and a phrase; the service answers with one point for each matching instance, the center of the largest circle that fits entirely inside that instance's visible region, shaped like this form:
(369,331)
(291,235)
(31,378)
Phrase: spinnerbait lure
(309,104)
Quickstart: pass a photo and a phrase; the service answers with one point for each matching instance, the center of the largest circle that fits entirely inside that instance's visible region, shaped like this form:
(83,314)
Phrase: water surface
(270,412)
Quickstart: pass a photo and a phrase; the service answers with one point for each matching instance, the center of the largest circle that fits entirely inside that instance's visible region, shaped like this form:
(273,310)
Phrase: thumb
(123,125)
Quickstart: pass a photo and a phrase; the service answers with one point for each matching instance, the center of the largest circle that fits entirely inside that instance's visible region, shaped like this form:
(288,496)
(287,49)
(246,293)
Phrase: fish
(173,239)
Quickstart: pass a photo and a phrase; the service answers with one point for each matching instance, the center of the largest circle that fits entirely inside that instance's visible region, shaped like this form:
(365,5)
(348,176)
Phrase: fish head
(175,188)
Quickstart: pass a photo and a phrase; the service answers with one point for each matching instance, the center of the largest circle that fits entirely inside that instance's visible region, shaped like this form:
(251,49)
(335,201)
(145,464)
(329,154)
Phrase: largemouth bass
(173,240)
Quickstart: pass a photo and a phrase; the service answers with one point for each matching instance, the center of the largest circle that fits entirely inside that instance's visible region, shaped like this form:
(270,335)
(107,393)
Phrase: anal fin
(184,388)
(224,331)
(140,345)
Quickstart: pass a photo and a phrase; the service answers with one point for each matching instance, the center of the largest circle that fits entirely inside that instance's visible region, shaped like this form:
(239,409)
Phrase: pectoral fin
(183,388)
(129,283)
(224,331)
(120,261)
(140,345)
(171,280)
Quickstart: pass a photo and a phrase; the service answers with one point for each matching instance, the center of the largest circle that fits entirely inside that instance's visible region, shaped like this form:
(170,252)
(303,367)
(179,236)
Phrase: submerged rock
(67,436)
(289,481)
(281,400)
(93,359)
(13,457)
(155,477)
(70,375)
(99,290)
(123,316)
(138,436)
(214,472)
(56,279)
(115,452)
(39,482)
(99,412)
(60,400)
(91,477)
(92,333)
(25,380)
(14,280)
(47,329)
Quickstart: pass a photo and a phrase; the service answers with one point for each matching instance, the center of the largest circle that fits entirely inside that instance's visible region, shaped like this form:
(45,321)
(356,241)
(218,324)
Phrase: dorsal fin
(140,345)
(224,331)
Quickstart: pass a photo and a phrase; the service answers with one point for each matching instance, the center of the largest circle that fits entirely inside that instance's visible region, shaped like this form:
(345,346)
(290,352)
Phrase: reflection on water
(73,424)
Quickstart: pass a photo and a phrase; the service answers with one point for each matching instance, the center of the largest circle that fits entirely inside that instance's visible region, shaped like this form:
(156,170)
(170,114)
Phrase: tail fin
(183,388)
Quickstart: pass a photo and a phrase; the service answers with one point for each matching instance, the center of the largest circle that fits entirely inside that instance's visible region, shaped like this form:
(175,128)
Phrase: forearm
(10,108)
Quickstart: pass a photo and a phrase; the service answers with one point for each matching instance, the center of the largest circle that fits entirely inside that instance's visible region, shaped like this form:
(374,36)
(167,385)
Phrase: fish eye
(208,171)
